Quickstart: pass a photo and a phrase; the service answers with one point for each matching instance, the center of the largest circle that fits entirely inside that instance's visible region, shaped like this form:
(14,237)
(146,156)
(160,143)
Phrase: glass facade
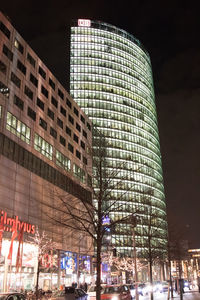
(111,80)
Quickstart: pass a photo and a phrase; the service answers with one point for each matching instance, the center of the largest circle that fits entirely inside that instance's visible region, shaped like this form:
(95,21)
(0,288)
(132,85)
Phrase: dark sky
(170,31)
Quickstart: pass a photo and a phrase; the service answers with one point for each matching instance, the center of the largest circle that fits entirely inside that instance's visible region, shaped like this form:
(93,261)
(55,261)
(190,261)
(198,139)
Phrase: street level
(190,295)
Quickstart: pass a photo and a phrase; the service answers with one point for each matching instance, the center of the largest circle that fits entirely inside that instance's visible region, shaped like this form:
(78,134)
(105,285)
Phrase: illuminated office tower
(111,80)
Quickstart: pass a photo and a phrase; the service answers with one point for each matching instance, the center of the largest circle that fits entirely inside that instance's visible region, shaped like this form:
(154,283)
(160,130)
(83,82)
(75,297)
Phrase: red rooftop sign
(84,22)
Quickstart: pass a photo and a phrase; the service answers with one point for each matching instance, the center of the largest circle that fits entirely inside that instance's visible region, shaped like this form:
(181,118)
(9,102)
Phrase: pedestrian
(198,283)
(85,287)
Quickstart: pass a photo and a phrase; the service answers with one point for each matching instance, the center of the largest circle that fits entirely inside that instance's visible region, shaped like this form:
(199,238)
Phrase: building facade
(111,80)
(44,137)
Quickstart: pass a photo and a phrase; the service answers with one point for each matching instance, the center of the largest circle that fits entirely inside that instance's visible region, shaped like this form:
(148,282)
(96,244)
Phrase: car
(69,293)
(92,291)
(116,292)
(12,296)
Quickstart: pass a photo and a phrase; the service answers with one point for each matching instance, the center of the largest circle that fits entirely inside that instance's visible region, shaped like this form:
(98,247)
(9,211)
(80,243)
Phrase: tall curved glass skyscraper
(111,80)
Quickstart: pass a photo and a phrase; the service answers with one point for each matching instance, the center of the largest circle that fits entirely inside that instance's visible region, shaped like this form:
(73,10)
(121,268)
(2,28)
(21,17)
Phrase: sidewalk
(189,295)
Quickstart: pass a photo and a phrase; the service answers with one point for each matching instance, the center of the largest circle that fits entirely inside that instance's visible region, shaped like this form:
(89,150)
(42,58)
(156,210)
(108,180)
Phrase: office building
(111,80)
(44,137)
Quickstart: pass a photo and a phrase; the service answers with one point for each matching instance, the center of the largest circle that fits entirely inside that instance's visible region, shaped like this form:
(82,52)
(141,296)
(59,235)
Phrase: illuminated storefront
(75,268)
(25,276)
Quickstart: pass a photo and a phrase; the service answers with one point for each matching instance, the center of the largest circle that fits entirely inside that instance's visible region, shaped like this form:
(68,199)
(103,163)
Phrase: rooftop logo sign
(84,23)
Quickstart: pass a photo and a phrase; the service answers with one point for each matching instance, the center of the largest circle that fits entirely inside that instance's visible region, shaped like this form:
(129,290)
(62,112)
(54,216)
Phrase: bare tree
(44,247)
(86,216)
(123,263)
(153,230)
(177,251)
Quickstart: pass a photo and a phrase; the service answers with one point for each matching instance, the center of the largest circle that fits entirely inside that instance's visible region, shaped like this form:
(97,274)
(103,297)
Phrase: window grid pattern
(111,80)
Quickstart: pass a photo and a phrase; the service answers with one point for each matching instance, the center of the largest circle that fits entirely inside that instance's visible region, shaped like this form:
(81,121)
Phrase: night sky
(170,31)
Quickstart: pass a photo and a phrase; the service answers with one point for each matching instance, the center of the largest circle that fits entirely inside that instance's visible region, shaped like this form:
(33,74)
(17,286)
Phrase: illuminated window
(43,147)
(79,173)
(4,90)
(63,161)
(18,128)
(19,46)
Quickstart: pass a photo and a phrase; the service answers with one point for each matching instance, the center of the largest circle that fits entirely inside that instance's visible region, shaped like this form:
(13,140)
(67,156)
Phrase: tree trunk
(98,282)
(151,279)
(37,280)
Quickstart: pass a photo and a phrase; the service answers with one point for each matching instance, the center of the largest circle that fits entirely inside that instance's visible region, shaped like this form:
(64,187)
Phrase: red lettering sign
(84,23)
(10,222)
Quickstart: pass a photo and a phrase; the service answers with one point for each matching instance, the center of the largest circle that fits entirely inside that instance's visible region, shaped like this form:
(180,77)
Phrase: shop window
(18,102)
(31,60)
(40,104)
(28,92)
(7,52)
(19,46)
